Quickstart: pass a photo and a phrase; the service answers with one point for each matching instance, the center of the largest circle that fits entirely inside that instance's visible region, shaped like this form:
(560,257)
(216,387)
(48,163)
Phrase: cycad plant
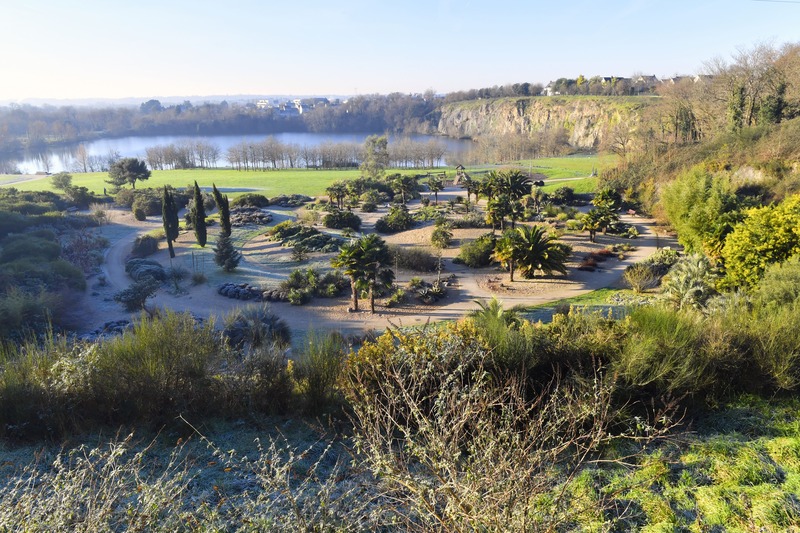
(690,282)
(537,250)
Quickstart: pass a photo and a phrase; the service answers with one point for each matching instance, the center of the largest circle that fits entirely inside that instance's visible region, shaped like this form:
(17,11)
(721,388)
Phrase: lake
(62,158)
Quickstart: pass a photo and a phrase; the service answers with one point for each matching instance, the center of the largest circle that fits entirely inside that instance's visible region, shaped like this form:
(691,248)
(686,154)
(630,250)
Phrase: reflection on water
(66,158)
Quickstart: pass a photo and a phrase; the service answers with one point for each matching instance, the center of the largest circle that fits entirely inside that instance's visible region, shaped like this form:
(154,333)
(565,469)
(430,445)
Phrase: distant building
(550,89)
(645,84)
(676,79)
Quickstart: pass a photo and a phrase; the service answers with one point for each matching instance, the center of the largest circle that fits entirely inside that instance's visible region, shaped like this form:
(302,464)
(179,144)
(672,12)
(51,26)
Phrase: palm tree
(538,250)
(435,184)
(513,183)
(348,261)
(506,250)
(493,310)
(404,186)
(591,223)
(337,192)
(364,261)
(515,212)
(469,185)
(375,256)
(497,210)
(488,186)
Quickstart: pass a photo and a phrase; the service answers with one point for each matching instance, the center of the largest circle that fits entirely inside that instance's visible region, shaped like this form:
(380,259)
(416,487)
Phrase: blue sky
(144,48)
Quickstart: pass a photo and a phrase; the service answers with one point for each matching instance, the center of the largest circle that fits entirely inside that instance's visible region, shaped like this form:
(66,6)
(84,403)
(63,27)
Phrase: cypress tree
(224,211)
(169,214)
(198,217)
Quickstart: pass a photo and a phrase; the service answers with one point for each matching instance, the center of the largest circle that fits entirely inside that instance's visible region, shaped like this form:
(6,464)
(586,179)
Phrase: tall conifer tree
(198,217)
(224,211)
(169,214)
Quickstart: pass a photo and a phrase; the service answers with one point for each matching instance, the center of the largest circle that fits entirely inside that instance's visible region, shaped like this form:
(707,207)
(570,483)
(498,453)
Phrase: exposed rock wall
(585,118)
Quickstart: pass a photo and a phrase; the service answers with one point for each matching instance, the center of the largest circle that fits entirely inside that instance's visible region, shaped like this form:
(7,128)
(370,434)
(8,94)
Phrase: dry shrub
(458,449)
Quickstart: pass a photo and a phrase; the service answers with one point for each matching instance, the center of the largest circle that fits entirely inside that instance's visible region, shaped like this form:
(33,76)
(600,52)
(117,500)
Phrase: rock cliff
(585,118)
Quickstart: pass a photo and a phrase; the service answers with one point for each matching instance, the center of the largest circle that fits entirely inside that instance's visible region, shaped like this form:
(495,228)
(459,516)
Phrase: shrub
(155,372)
(23,313)
(641,277)
(398,219)
(483,438)
(298,297)
(149,205)
(413,258)
(669,352)
(40,246)
(292,234)
(470,220)
(137,294)
(340,219)
(264,382)
(255,326)
(442,235)
(145,268)
(398,297)
(780,284)
(318,369)
(478,253)
(125,197)
(563,196)
(139,214)
(302,285)
(250,199)
(144,245)
(369,207)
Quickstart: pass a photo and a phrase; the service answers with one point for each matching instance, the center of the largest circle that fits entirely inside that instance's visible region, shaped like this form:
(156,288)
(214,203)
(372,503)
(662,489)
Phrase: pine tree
(225,255)
(169,214)
(198,217)
(224,211)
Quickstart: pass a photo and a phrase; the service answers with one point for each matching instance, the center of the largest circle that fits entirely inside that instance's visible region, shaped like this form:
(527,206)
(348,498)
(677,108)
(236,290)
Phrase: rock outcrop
(585,118)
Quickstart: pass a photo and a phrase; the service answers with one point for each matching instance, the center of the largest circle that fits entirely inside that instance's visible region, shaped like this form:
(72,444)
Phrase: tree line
(273,154)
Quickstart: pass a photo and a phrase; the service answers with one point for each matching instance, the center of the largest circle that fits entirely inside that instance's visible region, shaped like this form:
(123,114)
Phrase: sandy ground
(266,263)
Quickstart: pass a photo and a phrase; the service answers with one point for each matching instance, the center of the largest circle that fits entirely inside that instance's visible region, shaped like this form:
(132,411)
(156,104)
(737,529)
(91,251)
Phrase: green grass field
(312,182)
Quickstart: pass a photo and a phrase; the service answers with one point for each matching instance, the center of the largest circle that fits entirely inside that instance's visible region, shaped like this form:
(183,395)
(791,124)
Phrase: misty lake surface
(62,158)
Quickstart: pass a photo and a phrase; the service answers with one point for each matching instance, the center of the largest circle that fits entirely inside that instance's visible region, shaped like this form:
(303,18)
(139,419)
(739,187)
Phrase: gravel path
(469,284)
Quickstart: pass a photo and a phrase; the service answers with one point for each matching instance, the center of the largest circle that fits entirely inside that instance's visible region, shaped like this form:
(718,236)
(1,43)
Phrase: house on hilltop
(645,84)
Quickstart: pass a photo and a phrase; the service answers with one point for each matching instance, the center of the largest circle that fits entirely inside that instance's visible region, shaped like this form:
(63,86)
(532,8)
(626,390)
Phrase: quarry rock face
(585,119)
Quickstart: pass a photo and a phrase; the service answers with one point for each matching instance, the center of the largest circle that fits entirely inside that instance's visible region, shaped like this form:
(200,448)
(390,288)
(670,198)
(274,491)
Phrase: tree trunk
(372,297)
(355,294)
(511,270)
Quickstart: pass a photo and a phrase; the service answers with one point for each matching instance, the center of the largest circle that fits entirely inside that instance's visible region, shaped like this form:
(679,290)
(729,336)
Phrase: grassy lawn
(575,166)
(272,183)
(314,182)
(580,186)
(598,297)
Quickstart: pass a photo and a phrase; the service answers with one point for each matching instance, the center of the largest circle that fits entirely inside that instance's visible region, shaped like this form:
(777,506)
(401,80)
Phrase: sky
(65,49)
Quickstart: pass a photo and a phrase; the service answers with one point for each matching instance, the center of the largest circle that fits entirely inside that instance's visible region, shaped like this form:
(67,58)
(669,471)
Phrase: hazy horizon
(104,50)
